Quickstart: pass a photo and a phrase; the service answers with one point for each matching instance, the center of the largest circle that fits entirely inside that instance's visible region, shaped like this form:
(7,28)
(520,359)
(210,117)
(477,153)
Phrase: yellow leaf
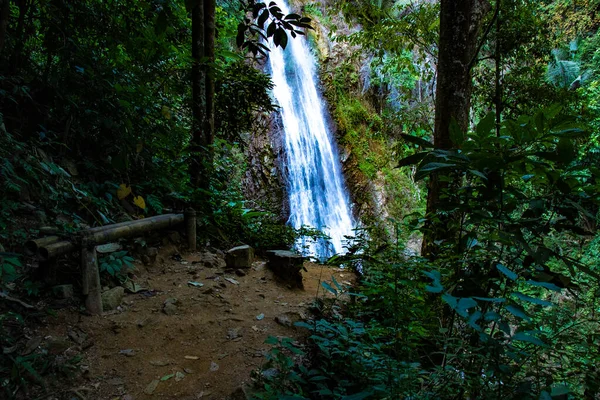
(166,112)
(139,201)
(123,191)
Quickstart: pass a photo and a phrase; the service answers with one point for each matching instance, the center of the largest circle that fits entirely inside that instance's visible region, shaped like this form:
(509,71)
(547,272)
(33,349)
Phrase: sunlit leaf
(123,191)
(139,201)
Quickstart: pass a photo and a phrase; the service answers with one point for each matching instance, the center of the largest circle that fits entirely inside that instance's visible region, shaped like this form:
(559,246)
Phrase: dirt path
(209,345)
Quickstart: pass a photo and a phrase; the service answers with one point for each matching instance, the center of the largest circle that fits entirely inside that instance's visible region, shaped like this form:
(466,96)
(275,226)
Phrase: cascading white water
(317,194)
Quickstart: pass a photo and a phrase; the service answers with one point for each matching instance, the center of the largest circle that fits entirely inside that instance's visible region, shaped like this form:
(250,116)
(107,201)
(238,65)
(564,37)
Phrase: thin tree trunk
(209,119)
(4,18)
(460,23)
(198,93)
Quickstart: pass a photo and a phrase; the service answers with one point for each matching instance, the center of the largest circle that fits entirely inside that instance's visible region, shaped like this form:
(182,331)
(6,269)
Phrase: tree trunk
(460,23)
(209,48)
(4,18)
(197,172)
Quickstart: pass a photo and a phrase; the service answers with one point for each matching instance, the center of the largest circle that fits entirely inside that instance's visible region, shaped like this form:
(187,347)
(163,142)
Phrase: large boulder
(287,266)
(111,299)
(239,257)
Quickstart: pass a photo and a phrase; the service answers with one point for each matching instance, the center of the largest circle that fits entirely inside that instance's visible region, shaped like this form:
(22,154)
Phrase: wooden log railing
(50,247)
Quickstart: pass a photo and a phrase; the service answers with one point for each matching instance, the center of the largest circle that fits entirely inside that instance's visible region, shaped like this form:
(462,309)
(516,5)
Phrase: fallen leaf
(179,376)
(231,280)
(260,317)
(191,358)
(195,284)
(167,377)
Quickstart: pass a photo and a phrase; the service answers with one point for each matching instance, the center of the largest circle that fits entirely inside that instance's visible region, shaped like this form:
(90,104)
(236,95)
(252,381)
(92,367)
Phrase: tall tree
(460,24)
(203,90)
(4,17)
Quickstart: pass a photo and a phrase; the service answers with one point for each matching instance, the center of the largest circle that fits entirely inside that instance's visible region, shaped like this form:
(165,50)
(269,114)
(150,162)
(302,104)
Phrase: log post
(91,277)
(190,228)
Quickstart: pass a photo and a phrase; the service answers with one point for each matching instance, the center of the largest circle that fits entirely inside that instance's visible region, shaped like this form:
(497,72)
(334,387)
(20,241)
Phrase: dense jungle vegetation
(471,124)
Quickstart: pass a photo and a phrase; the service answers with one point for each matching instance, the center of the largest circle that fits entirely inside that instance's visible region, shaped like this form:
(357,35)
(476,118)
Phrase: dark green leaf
(411,160)
(509,274)
(518,311)
(525,337)
(533,300)
(417,140)
(546,285)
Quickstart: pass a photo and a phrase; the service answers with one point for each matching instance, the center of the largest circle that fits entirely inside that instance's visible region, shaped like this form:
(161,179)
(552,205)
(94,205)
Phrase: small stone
(270,373)
(179,376)
(239,257)
(188,371)
(151,387)
(232,281)
(214,366)
(63,291)
(116,382)
(32,345)
(56,346)
(148,321)
(239,272)
(127,352)
(170,309)
(287,266)
(111,299)
(260,317)
(159,363)
(191,358)
(234,333)
(283,320)
(77,336)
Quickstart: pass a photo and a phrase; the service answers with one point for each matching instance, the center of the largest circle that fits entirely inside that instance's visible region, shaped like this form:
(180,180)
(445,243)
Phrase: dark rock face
(287,266)
(264,182)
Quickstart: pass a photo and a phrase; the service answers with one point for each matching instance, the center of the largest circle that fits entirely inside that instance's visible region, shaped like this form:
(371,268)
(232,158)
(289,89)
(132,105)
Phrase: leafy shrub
(116,264)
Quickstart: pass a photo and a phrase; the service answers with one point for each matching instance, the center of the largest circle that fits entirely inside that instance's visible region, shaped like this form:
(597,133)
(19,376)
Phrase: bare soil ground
(208,346)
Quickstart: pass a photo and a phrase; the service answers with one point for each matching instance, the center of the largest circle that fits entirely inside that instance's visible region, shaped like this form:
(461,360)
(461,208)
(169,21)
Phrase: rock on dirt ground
(205,349)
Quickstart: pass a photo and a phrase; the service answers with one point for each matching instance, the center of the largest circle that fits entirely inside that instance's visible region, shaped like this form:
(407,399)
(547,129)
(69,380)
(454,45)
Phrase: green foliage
(501,302)
(268,21)
(116,264)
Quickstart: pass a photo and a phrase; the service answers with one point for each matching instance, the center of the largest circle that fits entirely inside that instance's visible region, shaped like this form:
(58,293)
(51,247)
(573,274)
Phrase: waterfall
(315,184)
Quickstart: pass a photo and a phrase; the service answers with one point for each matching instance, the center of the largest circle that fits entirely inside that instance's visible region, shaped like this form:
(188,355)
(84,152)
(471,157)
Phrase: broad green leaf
(433,166)
(491,299)
(417,140)
(271,340)
(358,396)
(478,173)
(411,160)
(485,126)
(525,337)
(547,285)
(518,311)
(507,272)
(328,287)
(560,390)
(533,300)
